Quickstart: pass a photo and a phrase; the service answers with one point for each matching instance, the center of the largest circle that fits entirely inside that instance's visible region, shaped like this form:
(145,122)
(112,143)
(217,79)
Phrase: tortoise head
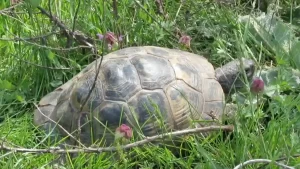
(231,77)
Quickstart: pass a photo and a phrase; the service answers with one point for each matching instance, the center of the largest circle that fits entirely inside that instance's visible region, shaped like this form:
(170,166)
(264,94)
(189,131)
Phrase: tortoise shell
(154,89)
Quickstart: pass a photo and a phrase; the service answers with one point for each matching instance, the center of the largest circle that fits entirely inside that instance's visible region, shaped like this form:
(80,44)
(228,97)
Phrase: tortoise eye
(249,71)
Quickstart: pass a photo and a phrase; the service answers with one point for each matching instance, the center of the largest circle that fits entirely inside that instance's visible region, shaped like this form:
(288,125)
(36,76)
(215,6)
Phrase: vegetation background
(36,57)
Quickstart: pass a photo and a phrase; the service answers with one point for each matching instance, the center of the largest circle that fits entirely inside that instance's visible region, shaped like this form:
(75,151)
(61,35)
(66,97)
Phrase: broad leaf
(6,85)
(278,36)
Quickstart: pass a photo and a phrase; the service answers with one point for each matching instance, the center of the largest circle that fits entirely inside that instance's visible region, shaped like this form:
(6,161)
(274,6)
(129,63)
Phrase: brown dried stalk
(57,150)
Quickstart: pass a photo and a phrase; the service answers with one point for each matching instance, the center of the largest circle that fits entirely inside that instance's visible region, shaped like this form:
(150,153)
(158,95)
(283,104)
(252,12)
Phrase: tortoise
(135,86)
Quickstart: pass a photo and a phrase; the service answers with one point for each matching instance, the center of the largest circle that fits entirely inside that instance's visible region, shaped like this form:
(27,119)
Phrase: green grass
(269,131)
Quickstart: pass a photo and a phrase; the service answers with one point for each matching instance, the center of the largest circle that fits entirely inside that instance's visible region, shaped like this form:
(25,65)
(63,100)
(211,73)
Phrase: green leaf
(20,98)
(276,35)
(6,85)
(278,79)
(295,54)
(51,56)
(270,77)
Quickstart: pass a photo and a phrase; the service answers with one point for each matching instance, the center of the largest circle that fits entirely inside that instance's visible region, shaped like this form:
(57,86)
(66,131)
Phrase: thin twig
(55,20)
(83,39)
(29,38)
(40,66)
(280,159)
(47,47)
(57,150)
(58,49)
(261,161)
(9,8)
(89,94)
(78,36)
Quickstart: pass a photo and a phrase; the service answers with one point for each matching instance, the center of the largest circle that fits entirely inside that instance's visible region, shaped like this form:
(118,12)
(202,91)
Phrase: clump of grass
(32,67)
